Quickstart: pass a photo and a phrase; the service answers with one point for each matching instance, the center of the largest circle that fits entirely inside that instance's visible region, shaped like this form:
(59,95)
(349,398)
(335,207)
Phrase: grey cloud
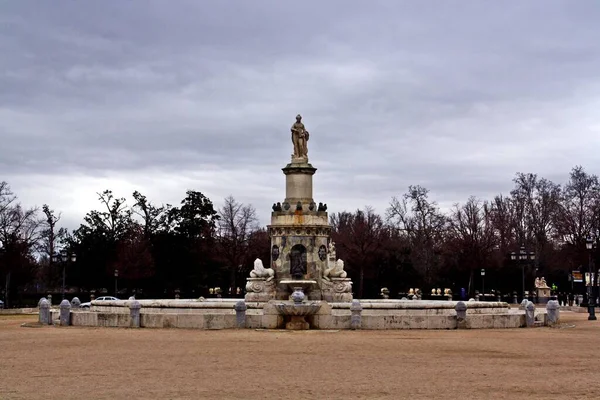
(454,95)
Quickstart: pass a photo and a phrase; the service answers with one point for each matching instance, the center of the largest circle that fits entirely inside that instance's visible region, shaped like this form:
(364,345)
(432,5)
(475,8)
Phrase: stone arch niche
(298,262)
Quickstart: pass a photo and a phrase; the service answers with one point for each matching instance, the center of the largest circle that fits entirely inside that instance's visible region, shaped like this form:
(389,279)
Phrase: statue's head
(340,263)
(258,263)
(298,117)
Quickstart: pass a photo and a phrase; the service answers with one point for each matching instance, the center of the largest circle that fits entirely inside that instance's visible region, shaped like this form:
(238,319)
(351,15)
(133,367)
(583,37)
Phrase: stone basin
(302,310)
(296,313)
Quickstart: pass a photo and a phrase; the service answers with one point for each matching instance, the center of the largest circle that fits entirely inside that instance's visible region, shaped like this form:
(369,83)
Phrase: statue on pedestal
(299,139)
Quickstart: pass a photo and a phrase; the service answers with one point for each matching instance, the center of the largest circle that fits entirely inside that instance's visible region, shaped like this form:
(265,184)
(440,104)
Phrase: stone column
(134,314)
(45,318)
(530,314)
(553,310)
(240,314)
(65,313)
(461,315)
(356,318)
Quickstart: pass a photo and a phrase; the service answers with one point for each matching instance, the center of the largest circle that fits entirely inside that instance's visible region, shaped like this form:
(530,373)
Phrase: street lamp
(64,257)
(589,245)
(116,278)
(523,256)
(483,283)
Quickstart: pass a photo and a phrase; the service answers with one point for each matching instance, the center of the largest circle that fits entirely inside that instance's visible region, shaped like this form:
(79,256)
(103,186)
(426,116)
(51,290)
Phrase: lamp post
(591,297)
(522,256)
(116,278)
(483,283)
(64,257)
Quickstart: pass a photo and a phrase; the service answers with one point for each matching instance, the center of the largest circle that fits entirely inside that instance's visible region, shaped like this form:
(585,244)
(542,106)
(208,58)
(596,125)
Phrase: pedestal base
(259,290)
(297,323)
(543,295)
(337,290)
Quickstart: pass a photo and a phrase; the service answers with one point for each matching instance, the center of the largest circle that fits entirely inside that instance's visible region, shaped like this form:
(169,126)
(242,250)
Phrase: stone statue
(299,139)
(537,282)
(260,271)
(336,271)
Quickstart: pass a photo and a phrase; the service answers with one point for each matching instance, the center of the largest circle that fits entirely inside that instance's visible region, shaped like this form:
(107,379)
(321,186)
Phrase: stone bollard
(523,304)
(553,310)
(65,313)
(356,318)
(75,303)
(530,314)
(240,314)
(461,315)
(134,314)
(45,318)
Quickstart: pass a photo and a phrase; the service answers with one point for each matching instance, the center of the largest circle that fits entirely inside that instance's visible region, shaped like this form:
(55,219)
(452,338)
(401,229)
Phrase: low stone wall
(18,311)
(370,314)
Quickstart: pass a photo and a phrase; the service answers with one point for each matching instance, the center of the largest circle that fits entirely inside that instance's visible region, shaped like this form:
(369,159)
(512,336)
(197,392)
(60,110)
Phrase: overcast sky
(165,96)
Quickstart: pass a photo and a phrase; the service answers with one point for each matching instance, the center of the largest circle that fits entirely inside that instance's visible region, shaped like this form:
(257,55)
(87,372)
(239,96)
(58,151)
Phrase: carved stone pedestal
(543,295)
(259,290)
(337,290)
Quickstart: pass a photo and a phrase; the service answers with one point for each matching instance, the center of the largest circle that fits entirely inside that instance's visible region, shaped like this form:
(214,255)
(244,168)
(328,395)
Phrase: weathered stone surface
(134,313)
(45,318)
(75,303)
(530,314)
(65,313)
(259,290)
(337,290)
(461,315)
(553,312)
(356,318)
(240,314)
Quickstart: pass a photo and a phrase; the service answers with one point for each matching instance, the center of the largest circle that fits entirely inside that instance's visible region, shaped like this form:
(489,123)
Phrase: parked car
(89,303)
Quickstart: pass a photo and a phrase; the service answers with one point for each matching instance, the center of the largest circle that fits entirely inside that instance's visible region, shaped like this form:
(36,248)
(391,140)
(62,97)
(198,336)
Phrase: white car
(89,303)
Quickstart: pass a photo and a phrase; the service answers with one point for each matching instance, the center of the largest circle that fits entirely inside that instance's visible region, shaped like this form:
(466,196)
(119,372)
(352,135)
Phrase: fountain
(297,310)
(303,278)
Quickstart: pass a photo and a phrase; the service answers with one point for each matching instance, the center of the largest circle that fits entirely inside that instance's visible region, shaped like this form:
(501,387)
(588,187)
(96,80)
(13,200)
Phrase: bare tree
(19,234)
(472,235)
(359,236)
(421,221)
(50,237)
(576,216)
(235,226)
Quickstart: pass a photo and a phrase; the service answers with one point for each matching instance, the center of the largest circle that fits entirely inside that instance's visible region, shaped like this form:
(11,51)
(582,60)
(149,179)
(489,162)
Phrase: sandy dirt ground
(110,363)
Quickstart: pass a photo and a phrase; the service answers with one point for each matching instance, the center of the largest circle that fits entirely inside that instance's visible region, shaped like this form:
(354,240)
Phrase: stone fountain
(303,286)
(297,310)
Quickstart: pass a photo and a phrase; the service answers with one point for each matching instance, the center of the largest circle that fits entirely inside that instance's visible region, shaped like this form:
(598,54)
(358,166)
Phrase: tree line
(158,250)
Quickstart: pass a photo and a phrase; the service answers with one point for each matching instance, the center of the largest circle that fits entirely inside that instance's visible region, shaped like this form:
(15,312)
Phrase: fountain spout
(297,310)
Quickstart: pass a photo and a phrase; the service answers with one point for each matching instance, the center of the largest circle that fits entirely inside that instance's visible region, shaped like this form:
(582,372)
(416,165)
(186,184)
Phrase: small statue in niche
(260,271)
(322,253)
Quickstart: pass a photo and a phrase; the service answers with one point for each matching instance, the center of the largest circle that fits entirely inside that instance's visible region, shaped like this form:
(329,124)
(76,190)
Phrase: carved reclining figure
(336,271)
(260,271)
